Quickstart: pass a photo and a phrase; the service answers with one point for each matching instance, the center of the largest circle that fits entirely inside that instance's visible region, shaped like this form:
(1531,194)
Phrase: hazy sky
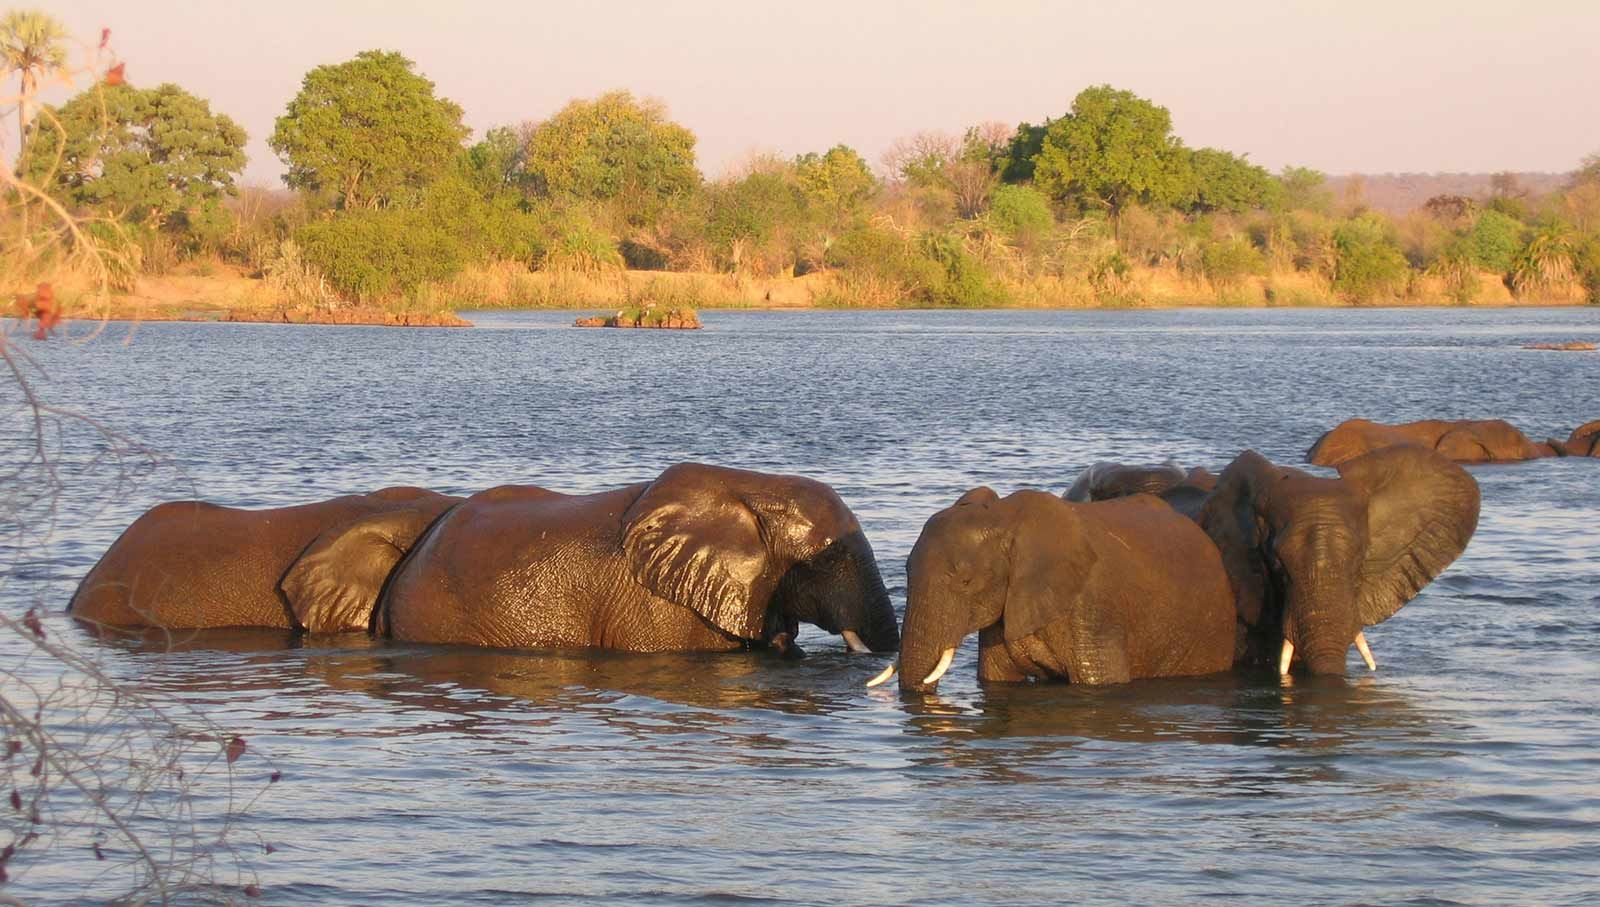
(1344,85)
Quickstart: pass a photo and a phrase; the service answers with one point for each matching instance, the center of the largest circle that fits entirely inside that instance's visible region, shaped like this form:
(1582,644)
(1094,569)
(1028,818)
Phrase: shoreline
(226,294)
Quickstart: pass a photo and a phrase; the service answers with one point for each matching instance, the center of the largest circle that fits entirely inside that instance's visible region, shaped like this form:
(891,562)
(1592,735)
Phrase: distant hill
(1402,193)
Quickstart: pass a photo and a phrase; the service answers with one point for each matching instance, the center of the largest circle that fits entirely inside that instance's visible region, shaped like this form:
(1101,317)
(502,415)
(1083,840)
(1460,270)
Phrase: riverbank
(219,292)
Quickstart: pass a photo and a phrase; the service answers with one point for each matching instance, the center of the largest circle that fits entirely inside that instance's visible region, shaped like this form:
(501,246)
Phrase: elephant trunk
(934,628)
(880,629)
(1321,623)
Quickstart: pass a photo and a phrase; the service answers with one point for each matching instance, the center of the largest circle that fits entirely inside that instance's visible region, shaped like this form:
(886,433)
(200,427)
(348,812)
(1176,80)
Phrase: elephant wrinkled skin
(701,559)
(1313,561)
(1089,593)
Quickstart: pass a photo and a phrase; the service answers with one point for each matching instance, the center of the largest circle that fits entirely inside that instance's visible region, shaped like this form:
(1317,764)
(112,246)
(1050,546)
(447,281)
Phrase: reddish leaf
(98,853)
(115,75)
(13,747)
(38,766)
(269,848)
(275,777)
(31,618)
(16,799)
(252,891)
(235,749)
(105,37)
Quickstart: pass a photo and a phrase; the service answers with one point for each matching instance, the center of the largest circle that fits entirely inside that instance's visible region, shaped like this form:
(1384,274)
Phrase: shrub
(1368,262)
(1457,266)
(966,282)
(1227,263)
(1022,213)
(1496,238)
(935,270)
(1547,263)
(578,246)
(372,256)
(1588,265)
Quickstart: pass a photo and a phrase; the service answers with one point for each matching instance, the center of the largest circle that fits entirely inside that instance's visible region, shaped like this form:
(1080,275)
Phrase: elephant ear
(1051,566)
(692,540)
(333,586)
(1421,511)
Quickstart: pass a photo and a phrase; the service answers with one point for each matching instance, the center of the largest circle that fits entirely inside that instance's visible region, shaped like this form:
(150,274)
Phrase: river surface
(1465,771)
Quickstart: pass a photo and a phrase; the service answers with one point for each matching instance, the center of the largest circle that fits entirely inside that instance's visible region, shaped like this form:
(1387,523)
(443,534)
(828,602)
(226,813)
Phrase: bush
(1496,238)
(1022,213)
(1368,262)
(1546,264)
(935,270)
(1227,263)
(1588,265)
(577,246)
(1457,266)
(374,256)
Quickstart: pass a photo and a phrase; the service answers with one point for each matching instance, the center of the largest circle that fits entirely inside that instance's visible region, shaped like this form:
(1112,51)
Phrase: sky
(1351,86)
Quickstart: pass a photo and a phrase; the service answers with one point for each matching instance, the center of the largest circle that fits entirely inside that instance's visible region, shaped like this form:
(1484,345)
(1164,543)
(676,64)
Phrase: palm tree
(30,45)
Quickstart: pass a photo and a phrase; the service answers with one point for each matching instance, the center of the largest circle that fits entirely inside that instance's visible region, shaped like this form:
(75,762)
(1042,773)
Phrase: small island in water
(649,315)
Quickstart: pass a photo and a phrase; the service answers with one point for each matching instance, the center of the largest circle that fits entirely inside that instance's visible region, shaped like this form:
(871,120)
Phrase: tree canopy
(1113,149)
(835,184)
(614,148)
(145,153)
(364,132)
(1227,182)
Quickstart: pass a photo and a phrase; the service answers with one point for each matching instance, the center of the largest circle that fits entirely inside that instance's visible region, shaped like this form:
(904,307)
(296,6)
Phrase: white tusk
(854,642)
(882,678)
(939,669)
(1366,651)
(1285,656)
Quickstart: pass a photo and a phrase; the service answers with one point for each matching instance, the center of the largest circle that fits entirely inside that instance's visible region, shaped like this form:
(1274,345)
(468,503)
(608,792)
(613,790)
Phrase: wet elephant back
(1176,605)
(526,567)
(190,564)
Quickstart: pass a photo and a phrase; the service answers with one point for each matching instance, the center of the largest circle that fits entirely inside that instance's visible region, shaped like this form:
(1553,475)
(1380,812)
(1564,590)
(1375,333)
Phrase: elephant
(1183,491)
(1483,441)
(1096,593)
(1583,442)
(1313,561)
(703,558)
(194,565)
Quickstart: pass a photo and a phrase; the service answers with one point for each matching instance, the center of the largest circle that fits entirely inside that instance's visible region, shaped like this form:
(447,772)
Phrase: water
(1464,771)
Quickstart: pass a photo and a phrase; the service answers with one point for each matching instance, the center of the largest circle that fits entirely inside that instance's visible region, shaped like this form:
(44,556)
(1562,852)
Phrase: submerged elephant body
(1088,593)
(701,559)
(189,564)
(1583,442)
(1465,441)
(1313,561)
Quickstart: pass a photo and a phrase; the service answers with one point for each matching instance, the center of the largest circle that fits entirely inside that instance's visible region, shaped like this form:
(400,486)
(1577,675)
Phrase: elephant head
(1313,561)
(1088,593)
(756,554)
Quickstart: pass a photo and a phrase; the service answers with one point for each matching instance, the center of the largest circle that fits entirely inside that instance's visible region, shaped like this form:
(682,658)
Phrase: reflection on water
(1462,772)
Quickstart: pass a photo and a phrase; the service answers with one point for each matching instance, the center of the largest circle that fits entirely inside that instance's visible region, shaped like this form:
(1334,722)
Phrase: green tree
(749,216)
(1227,182)
(835,184)
(494,164)
(31,47)
(614,149)
(1369,262)
(1113,149)
(366,132)
(145,154)
(1495,239)
(1017,166)
(1022,213)
(1304,189)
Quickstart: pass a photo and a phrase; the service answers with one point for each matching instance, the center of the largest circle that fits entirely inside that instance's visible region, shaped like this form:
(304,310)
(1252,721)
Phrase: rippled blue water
(1464,771)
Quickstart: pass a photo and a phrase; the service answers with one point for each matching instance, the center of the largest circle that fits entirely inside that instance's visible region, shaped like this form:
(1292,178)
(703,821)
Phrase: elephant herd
(1133,572)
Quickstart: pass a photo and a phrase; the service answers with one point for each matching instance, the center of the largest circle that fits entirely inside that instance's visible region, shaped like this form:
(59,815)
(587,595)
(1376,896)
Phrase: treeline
(1100,205)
